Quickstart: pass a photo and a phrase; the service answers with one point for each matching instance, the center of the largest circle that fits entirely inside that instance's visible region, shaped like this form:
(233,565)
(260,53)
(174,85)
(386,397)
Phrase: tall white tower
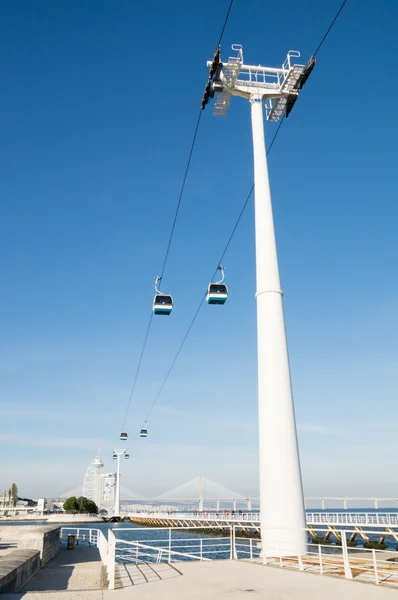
(281,493)
(92,480)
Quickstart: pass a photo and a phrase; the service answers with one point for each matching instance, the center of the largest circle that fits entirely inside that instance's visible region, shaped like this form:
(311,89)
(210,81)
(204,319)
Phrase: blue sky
(97,109)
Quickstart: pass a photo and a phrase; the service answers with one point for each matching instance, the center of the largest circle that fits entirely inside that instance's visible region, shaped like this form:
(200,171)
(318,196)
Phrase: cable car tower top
(279,87)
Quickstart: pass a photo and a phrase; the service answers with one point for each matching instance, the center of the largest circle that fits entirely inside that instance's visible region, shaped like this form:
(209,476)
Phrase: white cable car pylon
(281,493)
(217,293)
(162,303)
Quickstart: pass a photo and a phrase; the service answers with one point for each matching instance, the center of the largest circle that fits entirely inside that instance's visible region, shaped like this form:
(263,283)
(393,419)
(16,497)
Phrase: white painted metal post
(249,504)
(218,504)
(377,580)
(111,559)
(116,510)
(347,568)
(320,558)
(169,544)
(281,493)
(234,504)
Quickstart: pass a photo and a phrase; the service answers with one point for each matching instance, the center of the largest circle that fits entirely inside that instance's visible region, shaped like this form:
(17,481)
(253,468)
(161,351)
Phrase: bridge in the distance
(202,493)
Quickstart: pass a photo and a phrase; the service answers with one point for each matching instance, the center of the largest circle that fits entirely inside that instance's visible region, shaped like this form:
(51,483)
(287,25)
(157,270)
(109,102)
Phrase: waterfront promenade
(76,578)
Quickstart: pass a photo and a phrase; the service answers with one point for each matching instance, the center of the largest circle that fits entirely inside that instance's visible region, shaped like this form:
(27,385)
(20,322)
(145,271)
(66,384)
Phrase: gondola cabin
(114,456)
(162,304)
(123,437)
(144,432)
(217,293)
(127,455)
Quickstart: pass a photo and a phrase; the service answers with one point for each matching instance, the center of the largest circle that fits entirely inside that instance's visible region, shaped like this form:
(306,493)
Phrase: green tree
(71,504)
(14,493)
(86,505)
(9,497)
(92,507)
(82,502)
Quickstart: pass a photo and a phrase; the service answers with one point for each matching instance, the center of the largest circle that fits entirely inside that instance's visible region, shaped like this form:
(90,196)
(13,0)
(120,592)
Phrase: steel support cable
(172,230)
(329,28)
(237,221)
(181,194)
(225,22)
(137,371)
(189,158)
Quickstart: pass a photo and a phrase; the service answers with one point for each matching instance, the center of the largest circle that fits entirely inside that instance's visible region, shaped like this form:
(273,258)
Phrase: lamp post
(281,493)
(116,455)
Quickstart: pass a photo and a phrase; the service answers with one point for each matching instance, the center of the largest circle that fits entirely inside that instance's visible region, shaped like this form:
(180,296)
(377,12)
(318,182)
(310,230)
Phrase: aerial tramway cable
(184,339)
(171,234)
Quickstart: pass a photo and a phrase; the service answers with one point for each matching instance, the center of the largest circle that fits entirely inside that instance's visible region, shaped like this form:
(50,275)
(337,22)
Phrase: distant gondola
(162,303)
(217,293)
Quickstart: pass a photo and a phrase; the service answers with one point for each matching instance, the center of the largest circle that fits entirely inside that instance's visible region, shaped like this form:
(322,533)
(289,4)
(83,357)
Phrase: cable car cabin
(162,304)
(144,432)
(114,456)
(217,293)
(123,437)
(127,455)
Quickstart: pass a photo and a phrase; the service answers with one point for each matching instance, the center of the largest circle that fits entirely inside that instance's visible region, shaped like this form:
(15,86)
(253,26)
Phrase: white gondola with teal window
(123,437)
(217,293)
(144,430)
(162,303)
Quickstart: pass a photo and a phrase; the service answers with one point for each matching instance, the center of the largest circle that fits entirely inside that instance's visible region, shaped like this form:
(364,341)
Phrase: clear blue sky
(97,108)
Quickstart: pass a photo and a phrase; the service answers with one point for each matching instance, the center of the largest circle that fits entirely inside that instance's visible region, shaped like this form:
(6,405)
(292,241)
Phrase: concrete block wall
(45,539)
(16,568)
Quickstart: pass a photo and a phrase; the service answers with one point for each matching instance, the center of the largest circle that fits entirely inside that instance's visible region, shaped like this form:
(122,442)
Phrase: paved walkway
(77,572)
(218,580)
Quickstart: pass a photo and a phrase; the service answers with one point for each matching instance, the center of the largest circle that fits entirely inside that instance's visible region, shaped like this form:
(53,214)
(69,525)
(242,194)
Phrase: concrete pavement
(238,580)
(218,580)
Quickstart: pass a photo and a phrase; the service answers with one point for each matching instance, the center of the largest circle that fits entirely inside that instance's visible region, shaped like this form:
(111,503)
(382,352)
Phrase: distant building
(108,489)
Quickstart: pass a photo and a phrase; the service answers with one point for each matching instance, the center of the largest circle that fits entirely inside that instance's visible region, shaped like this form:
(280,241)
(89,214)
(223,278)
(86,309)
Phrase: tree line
(80,505)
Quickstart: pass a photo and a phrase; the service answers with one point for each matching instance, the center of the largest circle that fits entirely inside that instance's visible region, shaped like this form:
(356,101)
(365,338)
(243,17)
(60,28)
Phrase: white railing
(352,518)
(337,557)
(369,565)
(83,535)
(171,544)
(327,518)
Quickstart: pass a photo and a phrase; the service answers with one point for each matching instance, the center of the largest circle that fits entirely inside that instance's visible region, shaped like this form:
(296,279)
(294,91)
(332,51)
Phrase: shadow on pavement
(128,575)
